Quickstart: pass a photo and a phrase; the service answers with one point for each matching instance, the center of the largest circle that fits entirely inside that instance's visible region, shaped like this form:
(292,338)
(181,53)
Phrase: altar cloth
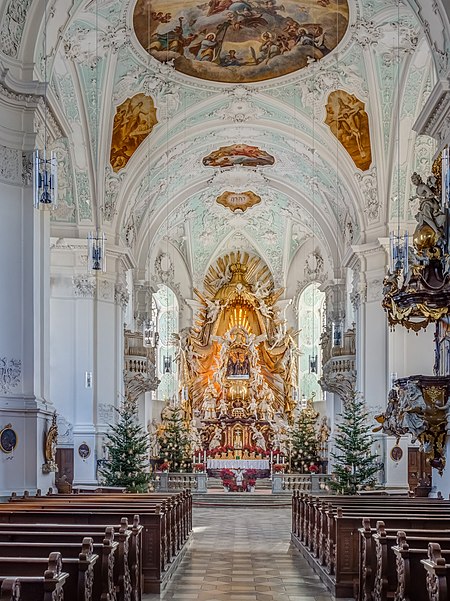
(234,464)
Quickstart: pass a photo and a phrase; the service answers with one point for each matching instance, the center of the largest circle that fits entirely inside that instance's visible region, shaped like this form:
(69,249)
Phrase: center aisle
(243,554)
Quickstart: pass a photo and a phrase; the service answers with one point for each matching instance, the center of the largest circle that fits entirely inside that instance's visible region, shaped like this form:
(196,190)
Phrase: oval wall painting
(240,41)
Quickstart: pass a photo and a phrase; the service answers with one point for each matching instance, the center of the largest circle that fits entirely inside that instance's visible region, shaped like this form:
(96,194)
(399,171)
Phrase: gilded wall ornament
(238,201)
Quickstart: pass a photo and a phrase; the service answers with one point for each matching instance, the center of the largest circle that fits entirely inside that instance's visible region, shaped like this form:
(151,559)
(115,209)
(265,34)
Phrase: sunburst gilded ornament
(238,201)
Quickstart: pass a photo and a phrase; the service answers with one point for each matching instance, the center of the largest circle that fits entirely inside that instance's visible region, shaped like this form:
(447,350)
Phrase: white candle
(204,457)
(278,458)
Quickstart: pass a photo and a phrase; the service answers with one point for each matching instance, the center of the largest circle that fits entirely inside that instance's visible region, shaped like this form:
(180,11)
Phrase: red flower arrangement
(164,467)
(198,467)
(279,467)
(251,482)
(313,468)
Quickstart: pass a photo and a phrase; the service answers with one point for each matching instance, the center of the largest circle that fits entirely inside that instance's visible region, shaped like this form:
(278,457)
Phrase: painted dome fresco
(240,41)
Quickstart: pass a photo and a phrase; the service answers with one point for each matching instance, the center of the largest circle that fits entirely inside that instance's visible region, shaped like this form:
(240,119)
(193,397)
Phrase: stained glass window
(310,318)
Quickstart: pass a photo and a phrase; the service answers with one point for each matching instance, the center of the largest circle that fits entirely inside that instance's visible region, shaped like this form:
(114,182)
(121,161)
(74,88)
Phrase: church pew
(170,530)
(83,578)
(338,566)
(63,533)
(411,579)
(156,571)
(10,589)
(178,510)
(437,573)
(395,563)
(120,580)
(41,580)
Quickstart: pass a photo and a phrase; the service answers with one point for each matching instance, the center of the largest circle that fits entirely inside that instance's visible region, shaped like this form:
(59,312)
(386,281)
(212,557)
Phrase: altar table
(234,464)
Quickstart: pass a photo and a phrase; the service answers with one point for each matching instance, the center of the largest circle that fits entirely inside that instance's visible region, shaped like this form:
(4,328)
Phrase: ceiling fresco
(238,154)
(133,122)
(316,146)
(240,41)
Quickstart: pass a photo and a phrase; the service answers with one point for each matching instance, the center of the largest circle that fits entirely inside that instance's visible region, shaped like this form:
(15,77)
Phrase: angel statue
(260,291)
(258,437)
(216,439)
(209,402)
(213,309)
(430,210)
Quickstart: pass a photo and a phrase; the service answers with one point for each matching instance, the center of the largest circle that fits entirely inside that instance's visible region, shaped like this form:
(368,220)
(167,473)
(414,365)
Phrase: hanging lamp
(45,163)
(96,239)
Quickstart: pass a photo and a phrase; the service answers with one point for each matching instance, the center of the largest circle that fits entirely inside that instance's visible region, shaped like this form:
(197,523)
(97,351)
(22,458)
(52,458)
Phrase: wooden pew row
(389,562)
(110,577)
(127,564)
(10,589)
(306,508)
(335,553)
(178,508)
(437,569)
(172,530)
(44,579)
(310,520)
(376,543)
(162,539)
(18,559)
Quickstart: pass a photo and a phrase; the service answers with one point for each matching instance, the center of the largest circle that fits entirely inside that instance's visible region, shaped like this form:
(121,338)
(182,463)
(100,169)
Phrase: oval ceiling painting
(239,41)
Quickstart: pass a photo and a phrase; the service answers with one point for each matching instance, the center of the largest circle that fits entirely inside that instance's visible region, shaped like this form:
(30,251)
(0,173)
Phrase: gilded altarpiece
(238,363)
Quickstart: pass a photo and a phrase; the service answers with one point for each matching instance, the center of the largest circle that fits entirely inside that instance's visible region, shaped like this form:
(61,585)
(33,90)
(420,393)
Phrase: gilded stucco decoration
(238,154)
(349,122)
(238,41)
(238,201)
(133,122)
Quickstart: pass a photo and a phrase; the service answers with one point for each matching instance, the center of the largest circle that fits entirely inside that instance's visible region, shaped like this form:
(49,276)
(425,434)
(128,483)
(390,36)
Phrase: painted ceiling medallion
(238,201)
(238,154)
(239,41)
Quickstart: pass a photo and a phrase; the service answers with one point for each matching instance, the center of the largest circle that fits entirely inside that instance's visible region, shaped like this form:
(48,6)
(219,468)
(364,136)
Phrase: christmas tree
(305,446)
(128,448)
(174,443)
(355,465)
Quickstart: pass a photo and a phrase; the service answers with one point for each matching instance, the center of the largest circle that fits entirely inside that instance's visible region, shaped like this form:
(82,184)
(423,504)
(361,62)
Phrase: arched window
(167,324)
(310,317)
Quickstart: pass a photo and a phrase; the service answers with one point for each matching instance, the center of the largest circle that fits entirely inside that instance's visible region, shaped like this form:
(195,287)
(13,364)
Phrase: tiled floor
(243,555)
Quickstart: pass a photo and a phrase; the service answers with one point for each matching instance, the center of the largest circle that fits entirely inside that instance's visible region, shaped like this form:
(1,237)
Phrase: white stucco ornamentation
(84,286)
(368,185)
(10,165)
(121,295)
(240,108)
(10,371)
(12,26)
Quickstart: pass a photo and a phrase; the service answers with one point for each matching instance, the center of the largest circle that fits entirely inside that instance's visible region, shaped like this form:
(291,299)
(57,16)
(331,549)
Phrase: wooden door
(64,461)
(418,468)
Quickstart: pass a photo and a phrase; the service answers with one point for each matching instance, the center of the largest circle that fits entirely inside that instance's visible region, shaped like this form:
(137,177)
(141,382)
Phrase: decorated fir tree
(174,443)
(355,466)
(305,446)
(128,448)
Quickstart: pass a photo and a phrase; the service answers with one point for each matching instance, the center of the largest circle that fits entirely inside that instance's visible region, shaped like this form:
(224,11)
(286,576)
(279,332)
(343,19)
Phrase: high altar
(238,364)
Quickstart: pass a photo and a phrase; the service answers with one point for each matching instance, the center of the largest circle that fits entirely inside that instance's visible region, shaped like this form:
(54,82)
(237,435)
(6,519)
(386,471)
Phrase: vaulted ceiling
(318,186)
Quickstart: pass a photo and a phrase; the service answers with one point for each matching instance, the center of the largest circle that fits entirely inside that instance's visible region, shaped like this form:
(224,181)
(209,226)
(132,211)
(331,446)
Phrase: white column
(24,346)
